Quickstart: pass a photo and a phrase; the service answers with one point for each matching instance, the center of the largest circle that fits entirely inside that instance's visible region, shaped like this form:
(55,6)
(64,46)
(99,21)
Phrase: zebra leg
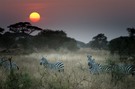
(133,74)
(133,71)
(17,67)
(61,70)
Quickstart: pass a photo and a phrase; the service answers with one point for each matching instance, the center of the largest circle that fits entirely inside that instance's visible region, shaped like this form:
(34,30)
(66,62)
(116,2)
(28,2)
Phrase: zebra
(96,68)
(8,64)
(124,69)
(58,66)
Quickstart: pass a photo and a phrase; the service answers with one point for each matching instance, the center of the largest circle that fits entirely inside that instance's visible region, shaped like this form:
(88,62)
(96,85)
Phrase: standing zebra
(96,68)
(58,66)
(8,64)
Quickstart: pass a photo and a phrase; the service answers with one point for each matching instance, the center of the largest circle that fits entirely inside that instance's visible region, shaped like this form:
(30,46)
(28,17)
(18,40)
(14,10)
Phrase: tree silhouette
(131,32)
(54,40)
(98,42)
(20,27)
(23,27)
(1,30)
(19,37)
(7,40)
(49,32)
(123,46)
(33,28)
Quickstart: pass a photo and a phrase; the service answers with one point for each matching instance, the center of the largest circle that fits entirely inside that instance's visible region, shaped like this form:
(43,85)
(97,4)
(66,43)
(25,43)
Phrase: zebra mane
(91,62)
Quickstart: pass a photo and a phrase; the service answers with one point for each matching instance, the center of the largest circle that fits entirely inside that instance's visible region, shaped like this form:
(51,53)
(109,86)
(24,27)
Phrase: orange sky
(80,19)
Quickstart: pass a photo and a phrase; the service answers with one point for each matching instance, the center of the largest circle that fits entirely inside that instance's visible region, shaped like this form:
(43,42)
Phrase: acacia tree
(23,27)
(99,42)
(20,27)
(21,33)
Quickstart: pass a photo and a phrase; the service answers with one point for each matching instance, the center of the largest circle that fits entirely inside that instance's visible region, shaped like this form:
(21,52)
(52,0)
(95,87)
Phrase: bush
(16,80)
(116,73)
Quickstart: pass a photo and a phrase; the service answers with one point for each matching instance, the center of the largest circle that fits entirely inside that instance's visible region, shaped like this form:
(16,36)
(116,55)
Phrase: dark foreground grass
(76,75)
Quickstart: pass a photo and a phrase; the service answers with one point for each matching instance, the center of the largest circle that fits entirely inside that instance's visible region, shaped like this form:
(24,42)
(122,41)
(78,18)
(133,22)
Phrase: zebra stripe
(124,69)
(7,64)
(58,66)
(96,68)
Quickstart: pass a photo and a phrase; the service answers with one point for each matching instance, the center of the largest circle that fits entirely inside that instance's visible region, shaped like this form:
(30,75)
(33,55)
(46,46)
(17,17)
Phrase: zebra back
(58,66)
(124,69)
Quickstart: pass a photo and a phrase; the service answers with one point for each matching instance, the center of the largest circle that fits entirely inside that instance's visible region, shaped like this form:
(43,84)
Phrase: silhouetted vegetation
(131,32)
(19,37)
(23,27)
(81,44)
(54,40)
(124,46)
(98,42)
(1,30)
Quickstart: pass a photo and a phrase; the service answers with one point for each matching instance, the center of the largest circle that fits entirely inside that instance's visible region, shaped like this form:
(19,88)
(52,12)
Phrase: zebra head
(91,61)
(43,61)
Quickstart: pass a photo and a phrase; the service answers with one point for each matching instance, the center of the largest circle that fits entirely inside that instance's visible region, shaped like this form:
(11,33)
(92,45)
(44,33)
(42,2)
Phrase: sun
(34,17)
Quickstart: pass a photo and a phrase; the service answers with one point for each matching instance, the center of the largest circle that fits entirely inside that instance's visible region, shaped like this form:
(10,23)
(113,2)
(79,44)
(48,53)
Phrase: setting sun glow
(34,17)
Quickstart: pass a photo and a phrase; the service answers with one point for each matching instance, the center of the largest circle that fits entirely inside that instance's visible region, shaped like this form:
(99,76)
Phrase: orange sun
(34,17)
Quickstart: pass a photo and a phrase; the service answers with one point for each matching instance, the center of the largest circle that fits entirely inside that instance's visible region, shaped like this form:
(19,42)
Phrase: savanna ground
(31,75)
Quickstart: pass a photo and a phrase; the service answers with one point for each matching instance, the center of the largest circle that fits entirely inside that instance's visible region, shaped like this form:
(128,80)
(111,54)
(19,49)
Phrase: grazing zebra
(96,68)
(58,66)
(8,64)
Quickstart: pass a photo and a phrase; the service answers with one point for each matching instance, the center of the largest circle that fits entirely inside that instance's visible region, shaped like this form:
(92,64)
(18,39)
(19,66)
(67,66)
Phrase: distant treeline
(123,45)
(18,36)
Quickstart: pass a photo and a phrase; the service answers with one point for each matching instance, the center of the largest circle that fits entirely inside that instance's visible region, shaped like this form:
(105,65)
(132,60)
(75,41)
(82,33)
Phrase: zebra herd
(8,64)
(94,67)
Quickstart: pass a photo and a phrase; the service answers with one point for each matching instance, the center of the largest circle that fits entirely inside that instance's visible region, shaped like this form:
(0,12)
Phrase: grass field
(76,75)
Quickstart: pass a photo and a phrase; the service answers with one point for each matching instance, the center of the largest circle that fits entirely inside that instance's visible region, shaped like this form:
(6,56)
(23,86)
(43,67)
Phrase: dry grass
(76,74)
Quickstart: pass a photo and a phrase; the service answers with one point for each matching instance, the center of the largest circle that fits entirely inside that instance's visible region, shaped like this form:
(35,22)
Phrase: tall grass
(75,76)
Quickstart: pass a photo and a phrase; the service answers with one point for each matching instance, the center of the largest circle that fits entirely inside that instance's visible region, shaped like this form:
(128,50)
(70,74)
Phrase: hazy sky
(80,19)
